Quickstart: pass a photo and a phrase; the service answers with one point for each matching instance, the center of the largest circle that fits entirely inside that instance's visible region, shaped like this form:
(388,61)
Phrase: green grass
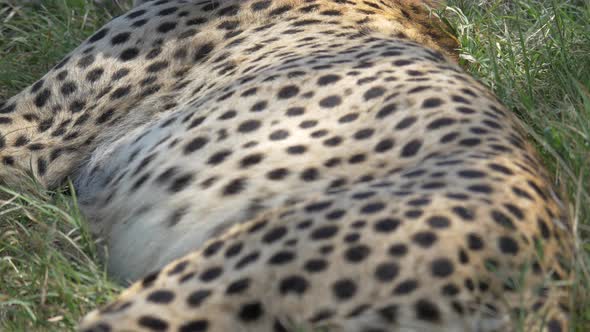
(48,272)
(534,54)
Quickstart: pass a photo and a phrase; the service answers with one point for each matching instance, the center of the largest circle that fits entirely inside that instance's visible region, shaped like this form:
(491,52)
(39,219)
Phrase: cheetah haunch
(309,164)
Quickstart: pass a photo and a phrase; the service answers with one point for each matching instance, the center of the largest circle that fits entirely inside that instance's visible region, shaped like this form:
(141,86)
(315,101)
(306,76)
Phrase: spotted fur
(286,164)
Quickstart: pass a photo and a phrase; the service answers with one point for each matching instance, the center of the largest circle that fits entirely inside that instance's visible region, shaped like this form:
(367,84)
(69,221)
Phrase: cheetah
(288,165)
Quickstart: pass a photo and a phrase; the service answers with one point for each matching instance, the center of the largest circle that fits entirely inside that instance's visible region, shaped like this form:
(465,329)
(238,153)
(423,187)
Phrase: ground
(544,106)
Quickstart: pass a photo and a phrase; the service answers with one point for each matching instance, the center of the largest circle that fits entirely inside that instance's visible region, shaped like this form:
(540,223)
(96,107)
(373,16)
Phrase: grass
(535,55)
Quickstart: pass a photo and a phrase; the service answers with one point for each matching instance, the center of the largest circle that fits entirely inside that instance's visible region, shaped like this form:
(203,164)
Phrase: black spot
(293,284)
(470,142)
(442,267)
(480,188)
(274,234)
(211,274)
(328,79)
(500,169)
(502,219)
(384,145)
(228,115)
(233,250)
(194,326)
(68,88)
(157,66)
(203,51)
(139,23)
(348,118)
(129,54)
(228,11)
(424,239)
(7,109)
(441,122)
(94,75)
(218,157)
(374,92)
(21,140)
(508,245)
(450,290)
(228,25)
(153,323)
(260,5)
(438,222)
(120,38)
(432,102)
(386,272)
(148,280)
(386,225)
(411,148)
(405,287)
(212,248)
(42,97)
(324,232)
(398,250)
(178,268)
(41,166)
(180,182)
(364,133)
(372,208)
(135,14)
(331,12)
(427,311)
(280,10)
(234,187)
(210,6)
(251,160)
(166,27)
(282,257)
(401,63)
(344,289)
(196,298)
(195,144)
(161,296)
(474,241)
(120,92)
(296,149)
(98,35)
(238,286)
(196,21)
(335,215)
(86,61)
(259,106)
(357,253)
(333,141)
(330,101)
(278,135)
(277,174)
(464,213)
(251,311)
(315,265)
(288,91)
(249,126)
(310,174)
(386,110)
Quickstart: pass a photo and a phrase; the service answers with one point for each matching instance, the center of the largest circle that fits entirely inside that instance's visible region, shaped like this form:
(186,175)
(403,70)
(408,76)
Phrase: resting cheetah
(315,164)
